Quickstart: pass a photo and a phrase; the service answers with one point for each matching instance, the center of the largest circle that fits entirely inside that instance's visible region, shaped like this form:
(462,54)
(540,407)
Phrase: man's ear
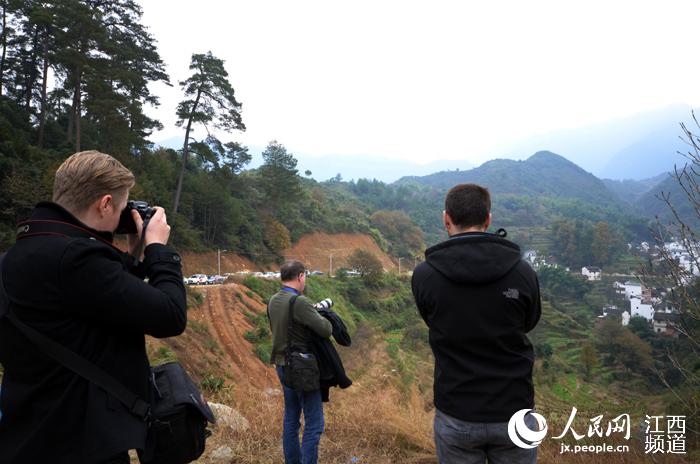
(487,224)
(103,203)
(446,220)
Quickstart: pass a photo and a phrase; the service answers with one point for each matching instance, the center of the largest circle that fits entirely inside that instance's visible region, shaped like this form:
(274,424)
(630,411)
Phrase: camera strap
(290,322)
(35,227)
(142,240)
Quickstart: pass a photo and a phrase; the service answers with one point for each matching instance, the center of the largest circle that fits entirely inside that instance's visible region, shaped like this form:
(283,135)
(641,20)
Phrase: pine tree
(210,101)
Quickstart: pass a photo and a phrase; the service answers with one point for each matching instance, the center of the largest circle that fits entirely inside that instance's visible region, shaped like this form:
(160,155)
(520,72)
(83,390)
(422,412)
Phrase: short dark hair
(291,269)
(468,205)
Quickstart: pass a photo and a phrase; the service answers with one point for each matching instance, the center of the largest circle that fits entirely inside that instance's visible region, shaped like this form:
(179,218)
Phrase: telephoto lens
(324,304)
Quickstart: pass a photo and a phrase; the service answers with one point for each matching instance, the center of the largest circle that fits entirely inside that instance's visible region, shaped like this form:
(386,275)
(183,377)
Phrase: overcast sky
(429,80)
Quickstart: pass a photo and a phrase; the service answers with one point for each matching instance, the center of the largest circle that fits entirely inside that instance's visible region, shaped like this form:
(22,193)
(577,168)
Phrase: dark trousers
(459,442)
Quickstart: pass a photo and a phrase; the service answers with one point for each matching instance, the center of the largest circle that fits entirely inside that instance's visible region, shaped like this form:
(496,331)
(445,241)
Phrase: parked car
(215,280)
(197,279)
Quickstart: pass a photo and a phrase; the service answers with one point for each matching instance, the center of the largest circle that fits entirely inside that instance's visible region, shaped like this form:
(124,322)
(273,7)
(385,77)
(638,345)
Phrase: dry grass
(370,422)
(377,420)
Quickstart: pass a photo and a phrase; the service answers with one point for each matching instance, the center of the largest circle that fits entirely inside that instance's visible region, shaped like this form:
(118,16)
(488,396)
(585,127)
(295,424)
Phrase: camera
(324,304)
(126,222)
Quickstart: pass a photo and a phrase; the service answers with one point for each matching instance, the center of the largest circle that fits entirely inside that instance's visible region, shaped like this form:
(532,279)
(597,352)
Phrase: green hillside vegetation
(598,368)
(630,190)
(543,174)
(526,194)
(652,202)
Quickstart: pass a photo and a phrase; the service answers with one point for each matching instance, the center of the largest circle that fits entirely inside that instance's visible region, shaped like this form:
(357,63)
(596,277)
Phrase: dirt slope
(315,250)
(214,343)
(206,263)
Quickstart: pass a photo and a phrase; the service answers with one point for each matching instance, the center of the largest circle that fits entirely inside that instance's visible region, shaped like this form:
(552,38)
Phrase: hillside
(632,147)
(385,417)
(315,250)
(630,191)
(654,206)
(542,174)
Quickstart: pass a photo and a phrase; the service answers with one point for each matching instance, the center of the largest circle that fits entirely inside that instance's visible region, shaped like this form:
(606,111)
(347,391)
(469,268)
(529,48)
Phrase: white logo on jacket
(512,293)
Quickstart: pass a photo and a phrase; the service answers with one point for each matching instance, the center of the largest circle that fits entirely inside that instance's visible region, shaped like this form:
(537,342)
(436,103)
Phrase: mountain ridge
(544,173)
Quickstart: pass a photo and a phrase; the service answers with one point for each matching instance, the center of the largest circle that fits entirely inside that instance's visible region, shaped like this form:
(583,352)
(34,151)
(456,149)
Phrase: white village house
(640,307)
(613,311)
(591,273)
(632,288)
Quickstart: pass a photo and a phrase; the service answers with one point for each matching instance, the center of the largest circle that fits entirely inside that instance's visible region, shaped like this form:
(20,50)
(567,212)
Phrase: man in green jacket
(307,320)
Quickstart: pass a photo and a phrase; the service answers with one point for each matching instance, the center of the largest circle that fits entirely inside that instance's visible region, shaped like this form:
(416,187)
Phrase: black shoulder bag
(301,371)
(176,418)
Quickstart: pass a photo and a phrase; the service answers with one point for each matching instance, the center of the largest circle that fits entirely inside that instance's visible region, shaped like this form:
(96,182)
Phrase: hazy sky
(429,80)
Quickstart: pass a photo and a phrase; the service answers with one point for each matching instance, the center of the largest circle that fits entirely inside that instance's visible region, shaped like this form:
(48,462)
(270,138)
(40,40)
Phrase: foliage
(276,236)
(589,359)
(279,177)
(579,243)
(368,265)
(212,383)
(397,228)
(557,282)
(209,100)
(621,345)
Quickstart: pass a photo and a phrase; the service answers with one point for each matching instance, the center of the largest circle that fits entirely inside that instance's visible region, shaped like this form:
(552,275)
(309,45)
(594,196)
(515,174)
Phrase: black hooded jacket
(329,363)
(479,299)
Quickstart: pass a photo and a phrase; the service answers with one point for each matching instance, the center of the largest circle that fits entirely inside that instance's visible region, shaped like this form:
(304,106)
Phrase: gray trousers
(460,442)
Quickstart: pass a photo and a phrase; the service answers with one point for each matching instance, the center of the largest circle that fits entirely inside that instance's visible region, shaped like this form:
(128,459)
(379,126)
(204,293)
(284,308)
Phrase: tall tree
(279,174)
(602,243)
(6,6)
(106,60)
(210,101)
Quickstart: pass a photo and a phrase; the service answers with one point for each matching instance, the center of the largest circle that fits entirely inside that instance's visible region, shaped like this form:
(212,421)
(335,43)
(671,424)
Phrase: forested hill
(63,92)
(542,174)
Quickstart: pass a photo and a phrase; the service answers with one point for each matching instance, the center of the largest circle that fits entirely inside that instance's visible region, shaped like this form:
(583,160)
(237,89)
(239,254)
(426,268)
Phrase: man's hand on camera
(132,240)
(158,230)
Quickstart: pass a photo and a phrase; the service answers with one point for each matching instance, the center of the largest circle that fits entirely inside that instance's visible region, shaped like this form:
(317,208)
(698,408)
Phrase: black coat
(330,365)
(479,299)
(83,294)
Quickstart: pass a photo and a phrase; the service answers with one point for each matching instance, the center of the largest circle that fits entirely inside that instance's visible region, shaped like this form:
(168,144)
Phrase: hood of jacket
(474,257)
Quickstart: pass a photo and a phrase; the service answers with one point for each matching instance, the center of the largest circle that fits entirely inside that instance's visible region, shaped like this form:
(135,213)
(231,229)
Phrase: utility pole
(400,265)
(330,265)
(218,259)
(415,261)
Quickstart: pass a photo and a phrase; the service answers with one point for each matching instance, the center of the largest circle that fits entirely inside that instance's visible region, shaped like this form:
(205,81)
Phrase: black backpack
(177,417)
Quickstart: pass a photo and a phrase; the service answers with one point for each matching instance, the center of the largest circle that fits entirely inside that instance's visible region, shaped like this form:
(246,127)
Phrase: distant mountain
(371,167)
(630,190)
(635,147)
(348,166)
(653,205)
(656,152)
(544,174)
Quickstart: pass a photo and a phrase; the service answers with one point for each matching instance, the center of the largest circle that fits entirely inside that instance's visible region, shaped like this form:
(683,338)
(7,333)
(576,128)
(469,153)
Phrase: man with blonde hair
(66,280)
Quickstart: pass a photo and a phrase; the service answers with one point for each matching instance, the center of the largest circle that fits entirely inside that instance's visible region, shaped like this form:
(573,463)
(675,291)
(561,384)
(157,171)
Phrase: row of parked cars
(203,279)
